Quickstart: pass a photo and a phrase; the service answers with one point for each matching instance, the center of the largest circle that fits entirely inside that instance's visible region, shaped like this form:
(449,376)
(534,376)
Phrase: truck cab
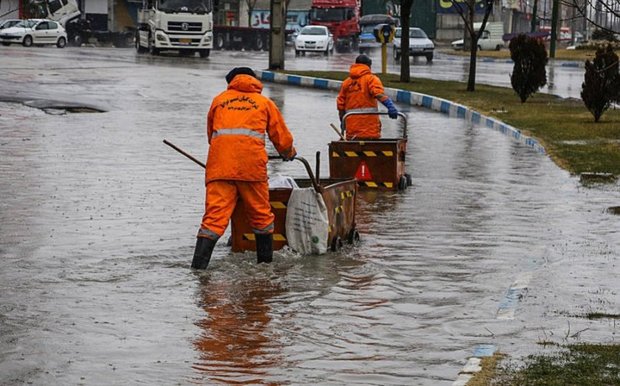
(491,38)
(341,17)
(182,25)
(62,11)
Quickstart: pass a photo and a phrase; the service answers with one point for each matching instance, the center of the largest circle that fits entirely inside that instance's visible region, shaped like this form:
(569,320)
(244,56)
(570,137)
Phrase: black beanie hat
(239,71)
(363,59)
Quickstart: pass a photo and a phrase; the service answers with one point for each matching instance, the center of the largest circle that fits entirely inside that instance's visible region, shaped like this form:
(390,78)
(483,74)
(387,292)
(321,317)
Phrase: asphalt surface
(493,248)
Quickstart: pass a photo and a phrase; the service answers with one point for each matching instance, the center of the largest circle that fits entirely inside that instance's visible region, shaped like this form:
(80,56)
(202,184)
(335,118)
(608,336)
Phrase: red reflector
(363,173)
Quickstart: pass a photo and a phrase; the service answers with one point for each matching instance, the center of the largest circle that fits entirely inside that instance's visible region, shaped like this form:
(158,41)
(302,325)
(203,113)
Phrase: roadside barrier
(412,98)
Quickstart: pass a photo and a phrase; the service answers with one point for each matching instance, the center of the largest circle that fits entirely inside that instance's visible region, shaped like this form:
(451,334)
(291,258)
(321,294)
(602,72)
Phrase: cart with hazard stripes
(339,195)
(377,164)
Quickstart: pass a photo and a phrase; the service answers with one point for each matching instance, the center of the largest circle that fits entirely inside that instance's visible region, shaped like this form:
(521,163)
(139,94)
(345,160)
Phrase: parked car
(34,31)
(419,44)
(314,38)
(8,23)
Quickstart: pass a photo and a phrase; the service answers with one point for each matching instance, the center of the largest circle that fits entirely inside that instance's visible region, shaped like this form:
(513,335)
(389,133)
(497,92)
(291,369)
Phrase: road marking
(514,294)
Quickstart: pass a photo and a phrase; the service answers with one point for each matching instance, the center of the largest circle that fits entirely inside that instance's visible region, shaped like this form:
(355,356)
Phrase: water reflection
(237,344)
(551,76)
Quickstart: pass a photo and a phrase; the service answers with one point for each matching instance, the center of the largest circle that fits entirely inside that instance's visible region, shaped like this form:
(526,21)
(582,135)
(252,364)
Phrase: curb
(414,99)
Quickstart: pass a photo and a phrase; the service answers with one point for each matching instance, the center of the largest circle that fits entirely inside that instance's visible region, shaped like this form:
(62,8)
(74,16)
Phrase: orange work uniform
(360,92)
(238,123)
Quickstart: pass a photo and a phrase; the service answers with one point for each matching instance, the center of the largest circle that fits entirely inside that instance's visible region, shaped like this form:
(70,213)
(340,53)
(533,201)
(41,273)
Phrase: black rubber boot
(202,253)
(264,248)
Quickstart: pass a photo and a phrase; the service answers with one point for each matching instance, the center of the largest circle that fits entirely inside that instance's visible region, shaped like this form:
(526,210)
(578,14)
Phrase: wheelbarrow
(377,164)
(339,195)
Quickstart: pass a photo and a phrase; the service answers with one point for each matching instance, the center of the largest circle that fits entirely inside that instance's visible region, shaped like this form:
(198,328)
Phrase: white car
(8,23)
(34,31)
(419,44)
(314,38)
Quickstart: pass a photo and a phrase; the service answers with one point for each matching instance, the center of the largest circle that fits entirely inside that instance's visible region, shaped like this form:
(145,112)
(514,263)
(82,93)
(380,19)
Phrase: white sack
(279,181)
(307,224)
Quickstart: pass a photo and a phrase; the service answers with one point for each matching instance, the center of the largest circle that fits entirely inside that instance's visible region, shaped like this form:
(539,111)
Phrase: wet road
(564,78)
(492,246)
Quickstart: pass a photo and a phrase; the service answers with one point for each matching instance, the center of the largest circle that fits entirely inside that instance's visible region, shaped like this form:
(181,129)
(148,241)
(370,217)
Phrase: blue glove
(392,112)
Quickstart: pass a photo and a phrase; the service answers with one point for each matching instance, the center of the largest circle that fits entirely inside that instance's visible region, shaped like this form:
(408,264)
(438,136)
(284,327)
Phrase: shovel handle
(184,153)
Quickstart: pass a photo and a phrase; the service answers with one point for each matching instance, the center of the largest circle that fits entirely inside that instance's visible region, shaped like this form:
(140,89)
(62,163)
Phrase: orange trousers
(363,127)
(221,198)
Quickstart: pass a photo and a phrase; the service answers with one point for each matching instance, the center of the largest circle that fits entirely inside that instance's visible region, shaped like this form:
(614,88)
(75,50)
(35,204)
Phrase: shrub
(601,85)
(530,58)
(602,34)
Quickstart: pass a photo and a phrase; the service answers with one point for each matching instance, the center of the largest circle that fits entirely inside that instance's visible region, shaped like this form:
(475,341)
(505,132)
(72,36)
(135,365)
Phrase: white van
(491,38)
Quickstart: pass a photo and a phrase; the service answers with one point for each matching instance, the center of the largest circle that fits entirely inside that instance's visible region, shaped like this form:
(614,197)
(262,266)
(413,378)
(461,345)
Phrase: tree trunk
(471,80)
(405,11)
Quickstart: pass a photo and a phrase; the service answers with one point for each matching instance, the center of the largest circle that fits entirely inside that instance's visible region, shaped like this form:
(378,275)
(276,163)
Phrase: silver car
(419,44)
(34,31)
(314,38)
(8,23)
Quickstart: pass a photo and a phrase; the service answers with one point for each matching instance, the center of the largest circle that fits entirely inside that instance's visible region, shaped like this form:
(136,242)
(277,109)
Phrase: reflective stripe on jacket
(238,122)
(360,91)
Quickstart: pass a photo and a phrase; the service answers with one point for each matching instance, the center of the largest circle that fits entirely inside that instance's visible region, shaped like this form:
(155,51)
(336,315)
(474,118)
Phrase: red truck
(341,17)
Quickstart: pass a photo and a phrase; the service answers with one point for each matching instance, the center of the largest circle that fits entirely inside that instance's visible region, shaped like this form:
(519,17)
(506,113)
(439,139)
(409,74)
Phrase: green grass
(560,54)
(563,126)
(578,364)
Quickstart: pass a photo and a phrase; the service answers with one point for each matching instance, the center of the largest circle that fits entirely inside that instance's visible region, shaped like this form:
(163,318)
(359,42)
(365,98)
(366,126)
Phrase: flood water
(492,246)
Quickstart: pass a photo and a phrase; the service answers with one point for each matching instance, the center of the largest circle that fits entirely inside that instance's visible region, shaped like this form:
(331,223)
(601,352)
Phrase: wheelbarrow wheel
(354,237)
(336,244)
(402,183)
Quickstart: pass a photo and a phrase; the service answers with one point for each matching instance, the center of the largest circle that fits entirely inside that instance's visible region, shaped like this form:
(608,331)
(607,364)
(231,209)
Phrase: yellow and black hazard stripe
(252,237)
(346,194)
(374,184)
(277,204)
(365,153)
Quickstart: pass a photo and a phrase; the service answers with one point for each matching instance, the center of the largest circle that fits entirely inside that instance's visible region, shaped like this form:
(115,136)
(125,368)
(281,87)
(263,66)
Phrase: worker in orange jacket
(238,123)
(360,93)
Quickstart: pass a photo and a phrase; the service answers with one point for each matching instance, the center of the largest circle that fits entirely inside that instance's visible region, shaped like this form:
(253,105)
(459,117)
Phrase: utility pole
(534,16)
(111,19)
(554,27)
(278,32)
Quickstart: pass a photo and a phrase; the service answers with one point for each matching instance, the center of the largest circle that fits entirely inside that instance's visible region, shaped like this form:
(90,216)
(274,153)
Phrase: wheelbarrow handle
(344,117)
(315,183)
(304,161)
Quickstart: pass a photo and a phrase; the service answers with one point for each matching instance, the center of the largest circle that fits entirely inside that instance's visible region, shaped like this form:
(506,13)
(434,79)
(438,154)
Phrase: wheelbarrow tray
(375,164)
(339,196)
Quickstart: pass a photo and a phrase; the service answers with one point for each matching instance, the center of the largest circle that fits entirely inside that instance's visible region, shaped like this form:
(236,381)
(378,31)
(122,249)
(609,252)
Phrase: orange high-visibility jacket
(238,123)
(359,92)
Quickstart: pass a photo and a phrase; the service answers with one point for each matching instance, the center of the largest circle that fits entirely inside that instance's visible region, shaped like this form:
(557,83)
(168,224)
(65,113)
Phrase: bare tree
(467,11)
(405,15)
(602,14)
(251,4)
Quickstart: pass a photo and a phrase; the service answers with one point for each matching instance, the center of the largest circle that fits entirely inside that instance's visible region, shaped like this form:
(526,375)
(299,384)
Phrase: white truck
(491,38)
(182,25)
